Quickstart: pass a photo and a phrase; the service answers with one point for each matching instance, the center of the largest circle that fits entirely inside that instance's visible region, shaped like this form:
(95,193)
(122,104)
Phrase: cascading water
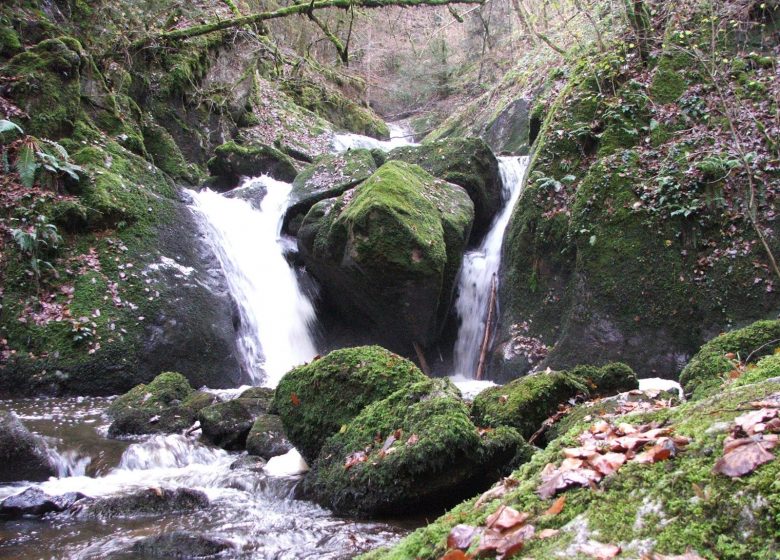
(400,135)
(276,316)
(479,269)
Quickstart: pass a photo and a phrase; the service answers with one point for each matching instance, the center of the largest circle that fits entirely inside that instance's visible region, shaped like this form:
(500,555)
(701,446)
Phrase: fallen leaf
(547,533)
(600,550)
(750,420)
(504,544)
(455,555)
(391,439)
(460,536)
(742,456)
(505,518)
(414,438)
(294,399)
(556,507)
(561,480)
(355,458)
(608,463)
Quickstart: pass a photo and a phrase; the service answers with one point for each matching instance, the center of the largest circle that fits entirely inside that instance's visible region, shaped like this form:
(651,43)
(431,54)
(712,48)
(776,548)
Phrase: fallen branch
(488,329)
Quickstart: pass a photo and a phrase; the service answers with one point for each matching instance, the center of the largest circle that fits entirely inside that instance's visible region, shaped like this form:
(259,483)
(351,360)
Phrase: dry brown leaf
(355,458)
(505,518)
(742,456)
(455,555)
(750,420)
(556,507)
(561,480)
(461,536)
(294,399)
(599,550)
(547,533)
(608,463)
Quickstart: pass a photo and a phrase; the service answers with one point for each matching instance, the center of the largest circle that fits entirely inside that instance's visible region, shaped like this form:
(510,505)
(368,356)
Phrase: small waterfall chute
(480,271)
(277,318)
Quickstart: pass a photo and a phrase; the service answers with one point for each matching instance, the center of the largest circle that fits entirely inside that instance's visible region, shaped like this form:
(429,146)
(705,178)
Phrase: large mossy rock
(328,177)
(416,449)
(149,501)
(267,439)
(665,508)
(388,252)
(710,367)
(468,162)
(316,400)
(227,424)
(166,405)
(23,456)
(526,402)
(232,161)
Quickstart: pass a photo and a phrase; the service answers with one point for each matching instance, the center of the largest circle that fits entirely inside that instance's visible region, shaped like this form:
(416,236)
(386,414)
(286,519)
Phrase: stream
(254,513)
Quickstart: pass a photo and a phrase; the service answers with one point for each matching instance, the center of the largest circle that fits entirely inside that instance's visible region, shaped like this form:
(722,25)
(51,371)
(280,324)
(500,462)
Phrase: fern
(8,126)
(26,165)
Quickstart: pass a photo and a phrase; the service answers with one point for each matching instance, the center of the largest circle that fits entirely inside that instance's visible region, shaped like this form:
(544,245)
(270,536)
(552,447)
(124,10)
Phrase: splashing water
(400,135)
(276,316)
(479,268)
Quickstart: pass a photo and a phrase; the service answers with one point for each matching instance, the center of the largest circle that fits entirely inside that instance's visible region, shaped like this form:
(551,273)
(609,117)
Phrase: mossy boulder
(266,439)
(227,424)
(329,176)
(526,402)
(149,501)
(388,252)
(9,41)
(23,455)
(232,161)
(415,449)
(317,399)
(666,507)
(168,404)
(48,89)
(468,162)
(608,379)
(767,367)
(709,368)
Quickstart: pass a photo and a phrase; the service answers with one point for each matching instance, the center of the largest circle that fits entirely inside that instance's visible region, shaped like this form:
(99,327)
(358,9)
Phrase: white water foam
(400,135)
(276,316)
(479,268)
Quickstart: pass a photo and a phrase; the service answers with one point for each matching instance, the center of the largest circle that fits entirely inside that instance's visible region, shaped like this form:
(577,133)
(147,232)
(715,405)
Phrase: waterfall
(479,268)
(276,316)
(400,135)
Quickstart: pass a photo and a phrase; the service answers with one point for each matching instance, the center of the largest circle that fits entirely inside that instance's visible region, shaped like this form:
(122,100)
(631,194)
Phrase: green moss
(9,41)
(316,400)
(708,369)
(666,507)
(232,161)
(767,367)
(608,379)
(166,155)
(444,457)
(49,89)
(526,402)
(467,162)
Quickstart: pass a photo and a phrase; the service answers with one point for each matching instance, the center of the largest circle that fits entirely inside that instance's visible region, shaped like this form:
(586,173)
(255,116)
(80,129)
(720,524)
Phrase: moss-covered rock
(415,449)
(467,162)
(227,424)
(710,367)
(23,456)
(388,251)
(232,161)
(608,379)
(266,439)
(168,404)
(49,86)
(149,501)
(526,402)
(316,400)
(666,507)
(767,367)
(9,41)
(328,177)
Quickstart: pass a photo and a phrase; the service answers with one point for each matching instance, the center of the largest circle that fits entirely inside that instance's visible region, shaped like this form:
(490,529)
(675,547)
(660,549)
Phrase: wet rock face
(232,161)
(388,252)
(23,455)
(35,501)
(152,501)
(181,544)
(266,439)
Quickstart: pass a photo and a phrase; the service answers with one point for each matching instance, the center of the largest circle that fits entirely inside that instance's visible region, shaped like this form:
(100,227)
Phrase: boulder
(388,252)
(526,402)
(181,544)
(266,439)
(415,449)
(315,400)
(232,161)
(468,162)
(151,501)
(709,368)
(227,424)
(34,501)
(328,177)
(23,455)
(166,405)
(251,463)
(608,379)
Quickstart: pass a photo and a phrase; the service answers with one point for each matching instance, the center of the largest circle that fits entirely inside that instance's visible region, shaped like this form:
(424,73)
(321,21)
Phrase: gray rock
(23,455)
(34,501)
